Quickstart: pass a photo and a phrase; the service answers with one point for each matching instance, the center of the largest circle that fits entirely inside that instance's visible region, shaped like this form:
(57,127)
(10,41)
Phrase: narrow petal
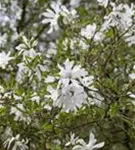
(99,145)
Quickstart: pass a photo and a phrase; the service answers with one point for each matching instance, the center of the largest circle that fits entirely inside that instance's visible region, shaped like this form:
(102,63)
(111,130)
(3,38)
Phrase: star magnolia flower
(4,59)
(90,146)
(68,97)
(72,141)
(70,73)
(70,94)
(14,142)
(19,115)
(90,32)
(52,15)
(68,15)
(18,144)
(121,17)
(71,97)
(103,2)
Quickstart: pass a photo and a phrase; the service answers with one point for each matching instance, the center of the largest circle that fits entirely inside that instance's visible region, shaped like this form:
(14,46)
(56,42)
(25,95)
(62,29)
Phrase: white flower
(68,15)
(99,36)
(8,133)
(90,146)
(81,43)
(103,2)
(47,107)
(18,111)
(121,17)
(52,15)
(70,97)
(74,3)
(4,59)
(57,142)
(132,76)
(70,72)
(89,31)
(70,94)
(50,79)
(72,141)
(14,142)
(18,144)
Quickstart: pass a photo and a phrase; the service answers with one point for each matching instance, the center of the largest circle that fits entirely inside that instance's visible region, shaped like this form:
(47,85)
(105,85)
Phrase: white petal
(99,145)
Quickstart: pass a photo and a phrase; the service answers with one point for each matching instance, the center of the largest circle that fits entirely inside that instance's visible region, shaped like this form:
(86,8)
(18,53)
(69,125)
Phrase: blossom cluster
(64,71)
